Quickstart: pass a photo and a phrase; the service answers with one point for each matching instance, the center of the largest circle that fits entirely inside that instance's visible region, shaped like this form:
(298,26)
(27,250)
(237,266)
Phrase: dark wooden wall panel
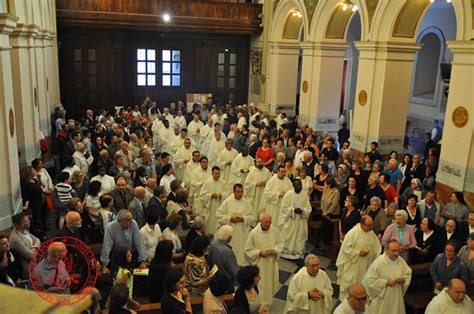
(116,66)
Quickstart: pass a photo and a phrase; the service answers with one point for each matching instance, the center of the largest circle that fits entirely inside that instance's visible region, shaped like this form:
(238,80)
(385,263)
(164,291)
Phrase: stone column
(24,80)
(382,94)
(41,71)
(320,96)
(10,194)
(281,76)
(456,164)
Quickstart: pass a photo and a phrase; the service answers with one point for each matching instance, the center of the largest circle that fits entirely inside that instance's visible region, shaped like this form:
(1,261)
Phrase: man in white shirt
(355,301)
(151,233)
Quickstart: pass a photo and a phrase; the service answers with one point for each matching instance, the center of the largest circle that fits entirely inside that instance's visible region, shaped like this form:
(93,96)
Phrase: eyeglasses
(363,299)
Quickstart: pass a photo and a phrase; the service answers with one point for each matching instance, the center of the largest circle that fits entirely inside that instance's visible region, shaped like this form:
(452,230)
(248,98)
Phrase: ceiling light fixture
(166,17)
(347,4)
(297,13)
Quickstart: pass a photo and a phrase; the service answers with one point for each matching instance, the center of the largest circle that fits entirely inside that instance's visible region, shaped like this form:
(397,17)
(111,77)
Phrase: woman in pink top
(402,232)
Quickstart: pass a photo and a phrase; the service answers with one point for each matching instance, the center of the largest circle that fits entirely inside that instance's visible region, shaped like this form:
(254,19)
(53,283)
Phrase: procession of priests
(253,185)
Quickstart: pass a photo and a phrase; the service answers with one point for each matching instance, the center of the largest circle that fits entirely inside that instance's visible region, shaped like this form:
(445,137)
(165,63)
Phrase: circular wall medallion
(35,97)
(305,86)
(460,116)
(11,120)
(362,97)
(263,78)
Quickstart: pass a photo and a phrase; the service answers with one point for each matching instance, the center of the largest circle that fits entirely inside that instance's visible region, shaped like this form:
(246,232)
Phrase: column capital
(463,51)
(284,48)
(387,50)
(24,30)
(7,23)
(324,48)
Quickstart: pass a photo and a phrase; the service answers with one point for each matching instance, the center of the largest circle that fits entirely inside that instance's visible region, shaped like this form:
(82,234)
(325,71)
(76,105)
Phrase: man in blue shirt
(396,175)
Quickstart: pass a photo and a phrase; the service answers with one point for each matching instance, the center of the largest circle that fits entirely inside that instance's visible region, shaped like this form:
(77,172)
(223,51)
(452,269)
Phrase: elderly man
(237,212)
(51,271)
(72,226)
(146,161)
(124,152)
(213,192)
(80,158)
(221,254)
(396,175)
(273,194)
(310,289)
(355,301)
(122,233)
(224,161)
(255,183)
(182,157)
(263,247)
(387,280)
(293,223)
(358,250)
(158,203)
(149,188)
(240,167)
(452,299)
(22,241)
(122,194)
(137,206)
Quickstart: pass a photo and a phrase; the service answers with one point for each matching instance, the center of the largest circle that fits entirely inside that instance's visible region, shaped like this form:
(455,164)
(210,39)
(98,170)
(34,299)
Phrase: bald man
(263,247)
(358,250)
(452,299)
(51,271)
(73,224)
(137,206)
(310,289)
(354,302)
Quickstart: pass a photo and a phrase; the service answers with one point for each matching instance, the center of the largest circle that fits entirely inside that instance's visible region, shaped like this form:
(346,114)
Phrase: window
(146,67)
(226,69)
(171,68)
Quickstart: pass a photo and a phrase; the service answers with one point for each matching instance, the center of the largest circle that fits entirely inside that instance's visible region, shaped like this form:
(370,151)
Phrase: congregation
(210,198)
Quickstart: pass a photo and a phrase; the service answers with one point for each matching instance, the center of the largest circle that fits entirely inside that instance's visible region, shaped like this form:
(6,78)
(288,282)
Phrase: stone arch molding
(381,20)
(282,18)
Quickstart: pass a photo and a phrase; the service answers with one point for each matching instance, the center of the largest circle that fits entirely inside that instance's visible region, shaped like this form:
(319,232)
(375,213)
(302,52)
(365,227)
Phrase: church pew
(418,301)
(420,292)
(196,303)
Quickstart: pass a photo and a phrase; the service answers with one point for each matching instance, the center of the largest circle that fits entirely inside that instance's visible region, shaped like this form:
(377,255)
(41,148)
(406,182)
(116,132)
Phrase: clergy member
(355,301)
(274,191)
(293,223)
(182,158)
(213,192)
(263,248)
(237,212)
(215,148)
(203,136)
(452,299)
(240,167)
(387,280)
(224,161)
(194,130)
(190,168)
(255,183)
(198,177)
(166,135)
(358,250)
(310,290)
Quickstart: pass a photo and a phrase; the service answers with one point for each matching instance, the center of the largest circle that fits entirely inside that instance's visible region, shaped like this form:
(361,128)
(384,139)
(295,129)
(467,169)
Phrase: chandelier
(349,5)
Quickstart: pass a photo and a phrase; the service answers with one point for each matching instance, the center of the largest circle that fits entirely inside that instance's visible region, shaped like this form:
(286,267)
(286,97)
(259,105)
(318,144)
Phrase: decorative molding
(453,175)
(310,9)
(460,117)
(362,97)
(304,86)
(407,19)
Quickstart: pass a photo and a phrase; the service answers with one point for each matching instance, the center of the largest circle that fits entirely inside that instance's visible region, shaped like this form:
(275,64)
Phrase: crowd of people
(210,199)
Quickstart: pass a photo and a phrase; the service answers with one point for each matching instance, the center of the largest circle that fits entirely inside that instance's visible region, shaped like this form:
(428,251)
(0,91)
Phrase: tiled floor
(289,268)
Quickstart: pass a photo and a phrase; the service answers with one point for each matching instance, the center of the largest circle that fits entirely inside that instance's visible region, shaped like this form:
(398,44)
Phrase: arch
(285,25)
(336,21)
(400,20)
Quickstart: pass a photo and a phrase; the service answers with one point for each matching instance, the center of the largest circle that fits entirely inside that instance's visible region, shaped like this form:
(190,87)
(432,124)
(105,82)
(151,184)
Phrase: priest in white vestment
(217,129)
(293,223)
(240,167)
(224,161)
(181,159)
(310,290)
(263,247)
(387,280)
(155,129)
(238,213)
(198,177)
(452,299)
(178,142)
(215,148)
(273,194)
(355,302)
(194,131)
(213,192)
(166,135)
(255,183)
(358,250)
(203,137)
(190,168)
(180,120)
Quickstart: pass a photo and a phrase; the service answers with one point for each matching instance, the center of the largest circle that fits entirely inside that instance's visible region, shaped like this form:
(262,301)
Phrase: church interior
(397,73)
